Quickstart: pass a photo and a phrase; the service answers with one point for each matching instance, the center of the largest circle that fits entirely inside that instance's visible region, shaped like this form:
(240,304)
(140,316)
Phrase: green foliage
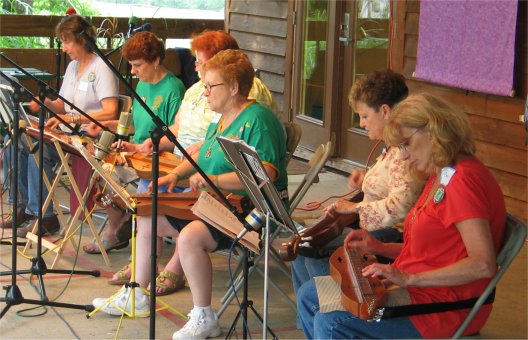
(39,7)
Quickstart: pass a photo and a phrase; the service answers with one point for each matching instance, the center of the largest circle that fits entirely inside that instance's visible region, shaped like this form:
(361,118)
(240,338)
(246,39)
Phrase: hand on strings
(355,180)
(362,239)
(93,129)
(341,207)
(170,180)
(197,182)
(126,146)
(390,273)
(146,147)
(53,122)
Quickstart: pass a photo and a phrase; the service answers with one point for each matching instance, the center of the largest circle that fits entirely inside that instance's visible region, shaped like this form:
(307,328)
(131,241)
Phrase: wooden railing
(44,26)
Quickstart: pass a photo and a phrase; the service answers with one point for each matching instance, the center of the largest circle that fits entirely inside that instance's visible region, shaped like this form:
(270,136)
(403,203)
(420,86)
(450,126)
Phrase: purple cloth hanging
(468,44)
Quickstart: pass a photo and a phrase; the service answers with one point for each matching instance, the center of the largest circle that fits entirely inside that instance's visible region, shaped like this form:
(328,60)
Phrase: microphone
(253,222)
(71,11)
(145,27)
(102,147)
(125,120)
(131,24)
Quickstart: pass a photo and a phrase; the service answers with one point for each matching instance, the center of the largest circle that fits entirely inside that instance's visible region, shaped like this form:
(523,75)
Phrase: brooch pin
(439,195)
(91,77)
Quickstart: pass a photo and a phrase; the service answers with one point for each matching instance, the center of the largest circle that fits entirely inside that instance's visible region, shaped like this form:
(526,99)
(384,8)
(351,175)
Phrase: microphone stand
(13,294)
(57,64)
(161,130)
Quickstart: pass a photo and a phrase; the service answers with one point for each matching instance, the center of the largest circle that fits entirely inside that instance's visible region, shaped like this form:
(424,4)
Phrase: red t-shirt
(431,240)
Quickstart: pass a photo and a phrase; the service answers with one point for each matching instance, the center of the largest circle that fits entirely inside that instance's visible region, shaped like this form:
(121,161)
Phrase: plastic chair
(514,239)
(293,137)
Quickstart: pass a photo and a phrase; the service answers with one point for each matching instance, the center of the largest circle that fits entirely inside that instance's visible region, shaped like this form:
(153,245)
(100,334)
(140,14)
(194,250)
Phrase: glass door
(313,74)
(366,50)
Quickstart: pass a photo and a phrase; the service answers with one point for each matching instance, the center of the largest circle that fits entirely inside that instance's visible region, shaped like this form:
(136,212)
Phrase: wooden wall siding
(500,137)
(260,28)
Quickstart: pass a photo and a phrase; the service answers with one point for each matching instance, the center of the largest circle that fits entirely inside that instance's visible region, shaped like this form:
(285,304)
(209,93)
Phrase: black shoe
(21,218)
(50,226)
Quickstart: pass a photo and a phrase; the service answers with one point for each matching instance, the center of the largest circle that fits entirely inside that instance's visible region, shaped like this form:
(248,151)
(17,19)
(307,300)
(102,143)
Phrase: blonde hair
(448,126)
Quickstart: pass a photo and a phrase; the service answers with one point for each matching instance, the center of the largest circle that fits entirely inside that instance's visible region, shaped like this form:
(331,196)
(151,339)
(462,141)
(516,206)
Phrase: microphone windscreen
(147,27)
(125,120)
(102,148)
(132,21)
(71,11)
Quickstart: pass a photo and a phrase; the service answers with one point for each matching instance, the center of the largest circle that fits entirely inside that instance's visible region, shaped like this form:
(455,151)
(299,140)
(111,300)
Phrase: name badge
(83,86)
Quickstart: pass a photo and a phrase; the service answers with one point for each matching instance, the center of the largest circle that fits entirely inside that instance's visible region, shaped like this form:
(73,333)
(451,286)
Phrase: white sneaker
(199,326)
(121,302)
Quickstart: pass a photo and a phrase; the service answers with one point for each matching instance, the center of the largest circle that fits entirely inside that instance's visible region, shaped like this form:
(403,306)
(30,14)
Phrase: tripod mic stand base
(243,312)
(14,297)
(38,267)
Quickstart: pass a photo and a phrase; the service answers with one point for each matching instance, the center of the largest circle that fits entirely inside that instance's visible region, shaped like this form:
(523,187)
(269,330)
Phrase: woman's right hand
(126,147)
(170,180)
(362,239)
(146,147)
(355,180)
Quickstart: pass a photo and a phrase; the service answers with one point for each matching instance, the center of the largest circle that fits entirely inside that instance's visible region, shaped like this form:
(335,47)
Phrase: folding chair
(293,136)
(514,239)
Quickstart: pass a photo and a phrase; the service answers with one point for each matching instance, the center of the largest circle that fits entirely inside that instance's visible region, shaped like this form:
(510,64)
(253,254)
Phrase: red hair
(212,42)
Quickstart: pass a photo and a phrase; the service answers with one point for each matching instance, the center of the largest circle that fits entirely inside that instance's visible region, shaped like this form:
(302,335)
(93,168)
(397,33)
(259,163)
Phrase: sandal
(176,282)
(94,249)
(123,276)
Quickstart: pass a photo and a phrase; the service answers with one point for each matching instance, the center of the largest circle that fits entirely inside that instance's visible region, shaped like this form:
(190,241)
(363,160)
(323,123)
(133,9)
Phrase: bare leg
(195,243)
(143,242)
(110,232)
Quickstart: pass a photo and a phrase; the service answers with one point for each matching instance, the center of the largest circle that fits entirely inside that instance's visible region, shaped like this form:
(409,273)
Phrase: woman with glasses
(227,78)
(451,236)
(389,190)
(190,126)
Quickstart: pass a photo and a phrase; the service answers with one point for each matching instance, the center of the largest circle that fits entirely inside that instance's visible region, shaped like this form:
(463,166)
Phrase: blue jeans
(344,325)
(28,177)
(305,268)
(144,183)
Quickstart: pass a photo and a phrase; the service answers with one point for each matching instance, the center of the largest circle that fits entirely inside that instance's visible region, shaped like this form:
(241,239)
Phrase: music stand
(13,293)
(265,197)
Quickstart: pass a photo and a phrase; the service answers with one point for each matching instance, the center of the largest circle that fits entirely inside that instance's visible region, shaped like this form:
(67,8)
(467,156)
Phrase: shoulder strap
(427,308)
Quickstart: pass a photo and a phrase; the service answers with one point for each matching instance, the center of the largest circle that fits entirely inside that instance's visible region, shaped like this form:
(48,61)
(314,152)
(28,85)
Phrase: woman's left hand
(341,207)
(387,271)
(53,122)
(197,182)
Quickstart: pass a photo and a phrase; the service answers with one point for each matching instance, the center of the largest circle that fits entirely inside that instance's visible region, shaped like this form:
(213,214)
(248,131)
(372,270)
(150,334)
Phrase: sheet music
(216,214)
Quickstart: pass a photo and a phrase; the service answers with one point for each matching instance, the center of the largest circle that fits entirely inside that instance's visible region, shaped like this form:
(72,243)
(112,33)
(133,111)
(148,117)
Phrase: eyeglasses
(208,87)
(403,146)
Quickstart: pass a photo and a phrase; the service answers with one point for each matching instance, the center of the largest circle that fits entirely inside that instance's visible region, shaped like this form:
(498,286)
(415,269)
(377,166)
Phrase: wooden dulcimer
(310,241)
(142,163)
(171,204)
(312,238)
(360,295)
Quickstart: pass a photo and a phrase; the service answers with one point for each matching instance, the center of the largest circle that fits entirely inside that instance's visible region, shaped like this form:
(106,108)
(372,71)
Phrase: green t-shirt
(163,98)
(258,127)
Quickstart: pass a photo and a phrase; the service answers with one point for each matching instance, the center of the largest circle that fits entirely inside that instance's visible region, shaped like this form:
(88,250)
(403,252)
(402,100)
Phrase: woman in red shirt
(451,236)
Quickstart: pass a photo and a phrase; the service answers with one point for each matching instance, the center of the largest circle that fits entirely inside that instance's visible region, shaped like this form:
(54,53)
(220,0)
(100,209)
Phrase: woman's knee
(195,236)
